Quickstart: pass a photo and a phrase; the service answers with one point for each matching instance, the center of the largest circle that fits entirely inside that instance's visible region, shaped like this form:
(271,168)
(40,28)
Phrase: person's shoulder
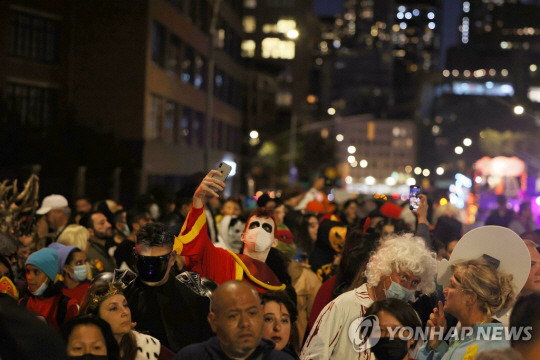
(279,355)
(194,351)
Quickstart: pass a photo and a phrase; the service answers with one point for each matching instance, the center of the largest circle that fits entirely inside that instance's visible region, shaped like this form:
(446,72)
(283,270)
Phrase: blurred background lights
(439,171)
(417,170)
(348,180)
(426,172)
(458,150)
(518,110)
(408,169)
(339,137)
(331,111)
(351,159)
(390,181)
(363,163)
(370,180)
(467,142)
(254,134)
(351,149)
(478,179)
(411,181)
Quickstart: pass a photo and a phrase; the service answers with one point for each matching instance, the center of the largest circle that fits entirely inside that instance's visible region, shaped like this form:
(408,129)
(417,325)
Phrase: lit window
(277,49)
(269,28)
(249,24)
(250,4)
(284,25)
(248,48)
(156,117)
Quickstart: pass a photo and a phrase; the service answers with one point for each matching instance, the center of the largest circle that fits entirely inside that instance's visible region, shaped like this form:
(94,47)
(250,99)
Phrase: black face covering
(89,357)
(152,268)
(390,349)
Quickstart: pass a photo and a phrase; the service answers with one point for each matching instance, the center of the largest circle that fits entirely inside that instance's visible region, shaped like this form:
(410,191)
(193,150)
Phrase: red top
(219,264)
(78,292)
(47,308)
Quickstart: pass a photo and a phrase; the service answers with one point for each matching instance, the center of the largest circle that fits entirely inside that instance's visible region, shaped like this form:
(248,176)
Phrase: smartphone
(225,170)
(414,198)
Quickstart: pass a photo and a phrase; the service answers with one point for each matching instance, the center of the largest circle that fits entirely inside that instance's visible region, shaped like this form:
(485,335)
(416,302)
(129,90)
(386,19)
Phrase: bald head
(236,318)
(228,291)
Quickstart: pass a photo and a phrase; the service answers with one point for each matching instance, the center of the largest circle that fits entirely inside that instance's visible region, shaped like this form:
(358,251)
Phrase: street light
(254,134)
(519,110)
(331,111)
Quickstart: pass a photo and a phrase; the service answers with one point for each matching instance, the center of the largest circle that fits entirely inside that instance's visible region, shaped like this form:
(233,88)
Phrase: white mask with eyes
(258,238)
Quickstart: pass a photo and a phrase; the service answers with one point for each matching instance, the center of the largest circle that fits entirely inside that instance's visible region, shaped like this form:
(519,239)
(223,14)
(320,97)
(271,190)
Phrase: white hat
(52,202)
(497,242)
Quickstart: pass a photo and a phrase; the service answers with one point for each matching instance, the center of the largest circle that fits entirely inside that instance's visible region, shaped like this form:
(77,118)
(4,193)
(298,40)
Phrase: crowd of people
(295,277)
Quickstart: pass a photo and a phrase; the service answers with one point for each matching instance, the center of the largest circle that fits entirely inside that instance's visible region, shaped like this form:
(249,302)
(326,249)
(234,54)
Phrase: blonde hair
(75,235)
(403,252)
(493,289)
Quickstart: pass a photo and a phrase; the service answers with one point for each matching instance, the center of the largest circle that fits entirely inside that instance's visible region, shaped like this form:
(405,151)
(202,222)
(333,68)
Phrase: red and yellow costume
(218,264)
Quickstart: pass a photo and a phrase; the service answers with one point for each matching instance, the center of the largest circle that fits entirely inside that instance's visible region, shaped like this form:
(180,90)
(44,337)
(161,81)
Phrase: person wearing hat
(44,298)
(73,267)
(56,211)
(485,272)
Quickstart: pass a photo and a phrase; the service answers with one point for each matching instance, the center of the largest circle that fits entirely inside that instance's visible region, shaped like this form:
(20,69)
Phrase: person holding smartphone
(221,265)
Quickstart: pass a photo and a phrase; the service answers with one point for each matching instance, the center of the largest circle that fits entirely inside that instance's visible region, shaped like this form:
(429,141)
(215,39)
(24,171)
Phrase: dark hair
(236,201)
(281,297)
(87,221)
(155,234)
(71,254)
(128,344)
(302,238)
(348,203)
(403,312)
(113,352)
(354,260)
(184,196)
(398,224)
(134,216)
(526,312)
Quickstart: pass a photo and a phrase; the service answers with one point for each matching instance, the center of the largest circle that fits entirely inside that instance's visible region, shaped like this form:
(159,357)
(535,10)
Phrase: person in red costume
(219,264)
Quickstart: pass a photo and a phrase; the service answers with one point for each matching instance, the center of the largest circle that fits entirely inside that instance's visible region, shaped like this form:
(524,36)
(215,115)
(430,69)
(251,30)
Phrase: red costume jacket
(48,307)
(218,264)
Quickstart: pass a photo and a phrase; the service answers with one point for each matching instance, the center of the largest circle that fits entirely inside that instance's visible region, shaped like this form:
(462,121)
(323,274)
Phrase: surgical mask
(125,230)
(41,289)
(260,237)
(80,273)
(152,269)
(390,349)
(89,357)
(154,211)
(398,291)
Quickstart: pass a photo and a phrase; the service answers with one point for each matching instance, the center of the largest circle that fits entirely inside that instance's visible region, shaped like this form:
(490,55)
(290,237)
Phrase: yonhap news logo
(365,333)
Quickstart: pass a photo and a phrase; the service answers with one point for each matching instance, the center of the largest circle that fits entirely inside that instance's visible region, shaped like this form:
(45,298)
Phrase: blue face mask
(41,289)
(398,291)
(80,273)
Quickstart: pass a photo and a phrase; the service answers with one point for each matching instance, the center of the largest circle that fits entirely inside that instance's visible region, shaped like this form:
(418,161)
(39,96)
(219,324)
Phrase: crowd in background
(285,277)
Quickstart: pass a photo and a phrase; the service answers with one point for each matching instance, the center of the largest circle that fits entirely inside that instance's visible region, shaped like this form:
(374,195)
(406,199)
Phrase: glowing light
(403,25)
(348,180)
(390,181)
(354,164)
(431,15)
(351,159)
(339,137)
(351,149)
(370,180)
(363,164)
(537,201)
(533,67)
(478,179)
(504,72)
(519,110)
(443,201)
(467,142)
(411,181)
(458,150)
(331,111)
(417,170)
(258,194)
(408,169)
(416,12)
(426,172)
(293,34)
(439,171)
(431,25)
(254,134)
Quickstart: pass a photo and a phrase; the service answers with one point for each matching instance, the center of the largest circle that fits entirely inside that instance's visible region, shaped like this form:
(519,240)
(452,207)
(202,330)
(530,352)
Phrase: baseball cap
(52,202)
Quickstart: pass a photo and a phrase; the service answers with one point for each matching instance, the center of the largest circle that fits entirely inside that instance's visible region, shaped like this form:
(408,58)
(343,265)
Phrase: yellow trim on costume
(180,240)
(240,263)
(239,273)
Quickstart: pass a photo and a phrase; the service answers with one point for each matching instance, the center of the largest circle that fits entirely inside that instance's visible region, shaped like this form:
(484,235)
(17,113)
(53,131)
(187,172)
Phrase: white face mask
(41,289)
(80,272)
(259,239)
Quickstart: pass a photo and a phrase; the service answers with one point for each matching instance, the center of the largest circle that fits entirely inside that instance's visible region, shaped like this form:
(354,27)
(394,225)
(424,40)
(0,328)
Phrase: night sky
(327,7)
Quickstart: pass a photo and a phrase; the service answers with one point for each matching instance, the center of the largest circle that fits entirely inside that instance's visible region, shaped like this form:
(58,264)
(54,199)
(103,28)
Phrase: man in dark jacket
(160,304)
(237,319)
